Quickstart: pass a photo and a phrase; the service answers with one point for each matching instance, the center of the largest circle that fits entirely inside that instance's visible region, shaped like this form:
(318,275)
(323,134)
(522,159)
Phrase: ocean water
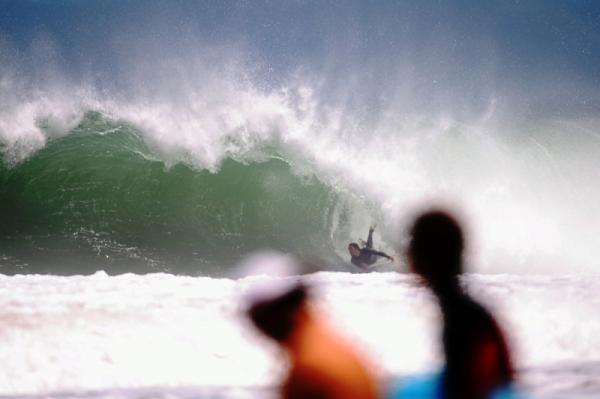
(147,147)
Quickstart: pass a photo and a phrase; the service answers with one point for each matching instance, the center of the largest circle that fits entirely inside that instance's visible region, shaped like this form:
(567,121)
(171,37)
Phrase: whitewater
(161,335)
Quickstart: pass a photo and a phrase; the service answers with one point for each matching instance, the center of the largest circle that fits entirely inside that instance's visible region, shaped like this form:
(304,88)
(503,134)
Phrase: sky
(523,49)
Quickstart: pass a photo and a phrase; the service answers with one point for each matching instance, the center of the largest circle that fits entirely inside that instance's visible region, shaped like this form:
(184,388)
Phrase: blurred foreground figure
(477,359)
(322,365)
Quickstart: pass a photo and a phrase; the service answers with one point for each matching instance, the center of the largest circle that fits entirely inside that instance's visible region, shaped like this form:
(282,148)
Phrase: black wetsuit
(368,255)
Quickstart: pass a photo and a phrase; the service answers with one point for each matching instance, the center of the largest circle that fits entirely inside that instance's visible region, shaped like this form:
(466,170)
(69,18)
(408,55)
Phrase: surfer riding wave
(365,256)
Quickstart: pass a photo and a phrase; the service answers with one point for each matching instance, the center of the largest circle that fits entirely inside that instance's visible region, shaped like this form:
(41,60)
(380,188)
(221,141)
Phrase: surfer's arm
(370,238)
(378,253)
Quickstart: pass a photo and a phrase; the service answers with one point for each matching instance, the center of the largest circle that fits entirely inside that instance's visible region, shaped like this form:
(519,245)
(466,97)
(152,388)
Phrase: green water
(99,199)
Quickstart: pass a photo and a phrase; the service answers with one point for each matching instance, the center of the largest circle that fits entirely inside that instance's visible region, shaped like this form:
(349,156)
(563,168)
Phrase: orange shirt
(325,366)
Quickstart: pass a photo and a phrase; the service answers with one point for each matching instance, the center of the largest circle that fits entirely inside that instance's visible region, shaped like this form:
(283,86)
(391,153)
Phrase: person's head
(354,249)
(435,248)
(277,317)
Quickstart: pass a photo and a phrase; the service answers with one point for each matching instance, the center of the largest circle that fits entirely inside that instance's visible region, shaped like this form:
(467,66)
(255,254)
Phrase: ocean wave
(100,198)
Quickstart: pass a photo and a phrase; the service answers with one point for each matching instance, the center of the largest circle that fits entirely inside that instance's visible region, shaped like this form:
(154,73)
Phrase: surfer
(477,356)
(365,256)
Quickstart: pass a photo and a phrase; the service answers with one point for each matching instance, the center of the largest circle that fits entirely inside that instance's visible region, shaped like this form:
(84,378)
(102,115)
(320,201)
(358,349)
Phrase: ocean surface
(147,147)
(166,336)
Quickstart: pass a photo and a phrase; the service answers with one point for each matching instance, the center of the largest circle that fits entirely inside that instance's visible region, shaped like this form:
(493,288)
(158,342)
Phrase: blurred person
(477,358)
(322,364)
(365,256)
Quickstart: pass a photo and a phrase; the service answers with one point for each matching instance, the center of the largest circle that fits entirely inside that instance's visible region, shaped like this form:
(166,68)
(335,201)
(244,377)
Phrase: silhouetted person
(477,357)
(365,256)
(323,366)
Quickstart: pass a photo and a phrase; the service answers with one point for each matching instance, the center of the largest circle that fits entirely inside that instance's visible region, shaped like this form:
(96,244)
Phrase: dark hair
(436,245)
(275,317)
(353,244)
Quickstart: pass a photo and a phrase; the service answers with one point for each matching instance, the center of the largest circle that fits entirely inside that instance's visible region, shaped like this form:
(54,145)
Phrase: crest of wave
(30,114)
